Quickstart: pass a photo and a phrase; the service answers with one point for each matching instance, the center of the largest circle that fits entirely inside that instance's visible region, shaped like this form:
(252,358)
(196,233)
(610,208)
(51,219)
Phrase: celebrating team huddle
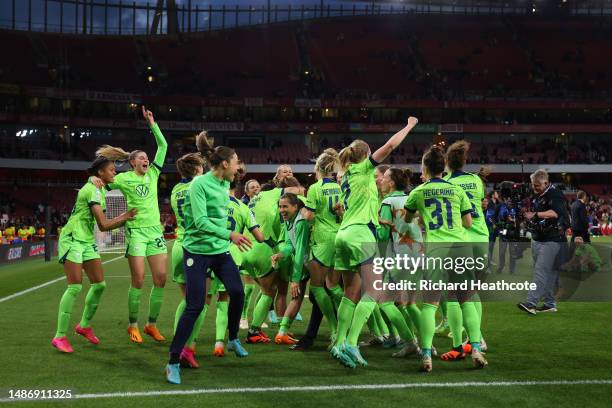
(285,240)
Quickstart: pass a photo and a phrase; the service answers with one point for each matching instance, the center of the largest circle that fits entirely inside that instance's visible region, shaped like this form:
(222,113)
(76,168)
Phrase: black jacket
(580,222)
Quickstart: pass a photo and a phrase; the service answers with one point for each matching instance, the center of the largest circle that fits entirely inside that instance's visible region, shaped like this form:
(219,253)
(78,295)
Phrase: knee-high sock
(404,311)
(478,306)
(373,326)
(415,314)
(392,329)
(326,306)
(471,322)
(193,337)
(427,325)
(443,308)
(179,311)
(134,303)
(346,310)
(397,320)
(92,300)
(221,320)
(455,322)
(382,326)
(155,303)
(249,288)
(285,324)
(336,295)
(362,312)
(65,308)
(261,310)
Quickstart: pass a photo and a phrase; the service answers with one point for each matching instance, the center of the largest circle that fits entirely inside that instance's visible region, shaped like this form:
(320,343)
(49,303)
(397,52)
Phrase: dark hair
(268,186)
(99,163)
(581,194)
(213,155)
(187,164)
(401,177)
(434,160)
(293,200)
(382,168)
(238,177)
(457,154)
(289,182)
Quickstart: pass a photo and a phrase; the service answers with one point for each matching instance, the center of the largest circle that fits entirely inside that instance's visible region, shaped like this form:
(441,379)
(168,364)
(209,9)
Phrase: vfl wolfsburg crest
(142,190)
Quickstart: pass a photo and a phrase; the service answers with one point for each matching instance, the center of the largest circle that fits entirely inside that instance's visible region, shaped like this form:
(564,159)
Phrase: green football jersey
(240,217)
(359,194)
(81,222)
(265,208)
(441,205)
(474,188)
(205,211)
(296,234)
(321,199)
(177,201)
(141,191)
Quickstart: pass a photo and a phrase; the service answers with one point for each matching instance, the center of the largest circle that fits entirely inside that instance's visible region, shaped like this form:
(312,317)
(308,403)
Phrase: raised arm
(162,145)
(385,150)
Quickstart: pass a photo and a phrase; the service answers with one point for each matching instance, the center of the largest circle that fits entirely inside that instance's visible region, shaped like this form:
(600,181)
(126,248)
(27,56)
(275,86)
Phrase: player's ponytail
(327,162)
(356,152)
(457,155)
(113,153)
(401,178)
(483,173)
(434,160)
(188,164)
(214,156)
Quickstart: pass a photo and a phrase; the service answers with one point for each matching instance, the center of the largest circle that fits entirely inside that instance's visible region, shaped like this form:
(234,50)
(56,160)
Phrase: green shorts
(176,263)
(324,253)
(147,241)
(70,249)
(257,261)
(446,262)
(355,245)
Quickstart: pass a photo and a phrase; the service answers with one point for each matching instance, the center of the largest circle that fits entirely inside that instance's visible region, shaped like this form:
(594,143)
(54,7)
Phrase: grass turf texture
(573,344)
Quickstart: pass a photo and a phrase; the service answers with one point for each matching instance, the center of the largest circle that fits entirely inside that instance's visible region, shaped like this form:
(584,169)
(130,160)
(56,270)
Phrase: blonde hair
(327,162)
(539,175)
(354,153)
(276,180)
(112,153)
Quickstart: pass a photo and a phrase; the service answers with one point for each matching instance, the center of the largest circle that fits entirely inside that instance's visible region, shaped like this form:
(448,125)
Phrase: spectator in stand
(31,231)
(9,233)
(23,233)
(40,232)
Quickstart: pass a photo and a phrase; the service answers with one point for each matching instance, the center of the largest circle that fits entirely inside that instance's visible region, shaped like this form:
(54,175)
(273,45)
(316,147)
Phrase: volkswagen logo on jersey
(142,190)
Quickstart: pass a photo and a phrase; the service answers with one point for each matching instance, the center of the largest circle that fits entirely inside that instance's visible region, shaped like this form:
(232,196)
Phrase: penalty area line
(42,285)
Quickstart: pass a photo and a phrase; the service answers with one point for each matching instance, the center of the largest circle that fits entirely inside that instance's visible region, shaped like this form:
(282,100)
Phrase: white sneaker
(426,364)
(409,348)
(264,325)
(478,359)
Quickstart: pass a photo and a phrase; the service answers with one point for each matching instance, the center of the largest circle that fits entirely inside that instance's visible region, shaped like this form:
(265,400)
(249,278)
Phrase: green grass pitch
(572,345)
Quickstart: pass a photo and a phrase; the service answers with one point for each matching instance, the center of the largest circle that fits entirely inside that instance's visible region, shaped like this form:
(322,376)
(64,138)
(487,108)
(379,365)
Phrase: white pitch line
(42,285)
(334,388)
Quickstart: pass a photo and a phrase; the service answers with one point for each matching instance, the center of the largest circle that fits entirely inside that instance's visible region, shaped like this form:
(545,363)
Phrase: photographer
(506,221)
(548,223)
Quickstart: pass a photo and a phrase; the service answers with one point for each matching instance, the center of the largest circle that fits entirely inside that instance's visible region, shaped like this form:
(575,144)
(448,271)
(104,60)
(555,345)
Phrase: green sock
(455,322)
(415,314)
(285,324)
(196,328)
(326,306)
(155,303)
(92,300)
(65,308)
(336,295)
(362,312)
(179,312)
(478,306)
(397,320)
(133,303)
(404,311)
(221,321)
(248,292)
(392,329)
(373,326)
(261,310)
(443,308)
(345,318)
(427,325)
(471,321)
(382,326)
